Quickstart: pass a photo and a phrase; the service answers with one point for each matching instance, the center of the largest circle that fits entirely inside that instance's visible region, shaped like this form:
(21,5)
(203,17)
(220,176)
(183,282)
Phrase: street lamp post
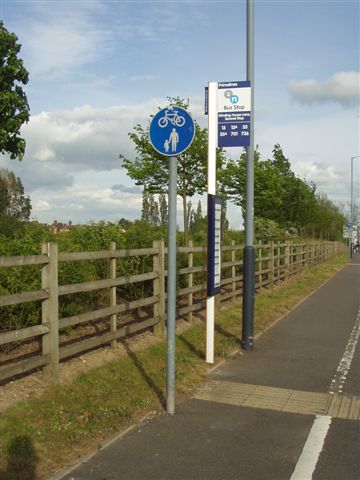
(352,201)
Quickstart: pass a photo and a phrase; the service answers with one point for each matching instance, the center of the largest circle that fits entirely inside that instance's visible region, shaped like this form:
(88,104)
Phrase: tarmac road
(289,410)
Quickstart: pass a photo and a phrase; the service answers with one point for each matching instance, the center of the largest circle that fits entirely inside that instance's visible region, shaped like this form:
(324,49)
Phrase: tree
(163,210)
(14,107)
(328,220)
(298,200)
(197,221)
(145,211)
(279,195)
(268,186)
(154,210)
(224,220)
(152,169)
(124,224)
(150,209)
(15,207)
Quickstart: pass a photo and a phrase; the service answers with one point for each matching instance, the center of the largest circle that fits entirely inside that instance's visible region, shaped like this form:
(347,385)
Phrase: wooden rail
(274,263)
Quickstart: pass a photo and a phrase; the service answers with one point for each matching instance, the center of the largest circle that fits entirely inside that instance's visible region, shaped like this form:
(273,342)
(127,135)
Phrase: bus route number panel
(214,245)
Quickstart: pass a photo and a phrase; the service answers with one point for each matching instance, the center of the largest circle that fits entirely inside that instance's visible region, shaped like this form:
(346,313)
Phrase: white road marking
(309,457)
(312,449)
(339,379)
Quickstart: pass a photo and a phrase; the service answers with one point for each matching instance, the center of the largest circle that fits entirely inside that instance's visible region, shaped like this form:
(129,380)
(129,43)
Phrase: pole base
(248,298)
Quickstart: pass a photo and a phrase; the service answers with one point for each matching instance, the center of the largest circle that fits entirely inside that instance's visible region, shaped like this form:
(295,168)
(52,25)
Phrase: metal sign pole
(171,289)
(351,205)
(249,252)
(171,132)
(212,144)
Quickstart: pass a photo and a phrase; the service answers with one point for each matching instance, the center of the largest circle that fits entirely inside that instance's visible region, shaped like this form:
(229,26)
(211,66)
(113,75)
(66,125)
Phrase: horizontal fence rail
(274,263)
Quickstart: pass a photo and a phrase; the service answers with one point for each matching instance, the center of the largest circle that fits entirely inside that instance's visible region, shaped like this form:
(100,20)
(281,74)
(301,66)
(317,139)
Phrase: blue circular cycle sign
(171,131)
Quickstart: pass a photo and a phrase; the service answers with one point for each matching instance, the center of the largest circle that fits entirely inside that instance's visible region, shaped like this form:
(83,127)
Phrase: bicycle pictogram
(173,117)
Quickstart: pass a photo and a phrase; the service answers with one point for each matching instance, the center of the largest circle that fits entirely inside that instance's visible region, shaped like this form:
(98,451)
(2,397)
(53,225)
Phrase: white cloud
(126,189)
(83,202)
(342,88)
(84,137)
(59,40)
(318,149)
(41,205)
(61,37)
(326,177)
(44,154)
(99,82)
(42,175)
(145,77)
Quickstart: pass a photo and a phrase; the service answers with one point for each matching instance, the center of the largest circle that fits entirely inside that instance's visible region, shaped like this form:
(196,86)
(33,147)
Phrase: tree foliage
(282,200)
(15,207)
(150,209)
(14,107)
(163,210)
(328,220)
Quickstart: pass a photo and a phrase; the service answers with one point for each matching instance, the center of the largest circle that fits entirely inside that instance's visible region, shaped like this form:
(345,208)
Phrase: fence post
(233,269)
(260,266)
(50,311)
(313,253)
(272,264)
(307,254)
(278,263)
(302,257)
(113,318)
(190,280)
(159,287)
(287,259)
(298,263)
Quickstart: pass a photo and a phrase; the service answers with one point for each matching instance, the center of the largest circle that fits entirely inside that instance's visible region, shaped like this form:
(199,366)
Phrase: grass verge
(40,436)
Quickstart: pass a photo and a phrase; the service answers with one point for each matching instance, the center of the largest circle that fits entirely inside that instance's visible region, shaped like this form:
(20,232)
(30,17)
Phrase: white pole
(212,145)
(212,137)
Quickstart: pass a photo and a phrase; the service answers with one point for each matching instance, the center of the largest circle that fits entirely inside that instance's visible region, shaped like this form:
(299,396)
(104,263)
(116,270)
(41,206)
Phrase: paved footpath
(289,410)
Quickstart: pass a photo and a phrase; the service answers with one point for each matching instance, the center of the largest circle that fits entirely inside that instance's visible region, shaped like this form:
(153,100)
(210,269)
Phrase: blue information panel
(234,114)
(214,245)
(171,131)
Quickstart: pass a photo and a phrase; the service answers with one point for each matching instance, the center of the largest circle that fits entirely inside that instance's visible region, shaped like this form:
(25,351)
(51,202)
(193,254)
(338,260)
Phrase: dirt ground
(32,386)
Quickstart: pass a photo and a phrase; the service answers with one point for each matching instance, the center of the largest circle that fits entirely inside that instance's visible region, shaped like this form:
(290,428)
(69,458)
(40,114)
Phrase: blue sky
(99,67)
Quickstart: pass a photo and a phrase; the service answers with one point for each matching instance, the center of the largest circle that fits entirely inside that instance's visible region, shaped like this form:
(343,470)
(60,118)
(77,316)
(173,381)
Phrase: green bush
(94,237)
(86,238)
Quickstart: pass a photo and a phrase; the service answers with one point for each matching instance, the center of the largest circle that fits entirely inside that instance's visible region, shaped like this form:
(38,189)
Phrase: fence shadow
(132,355)
(226,334)
(198,352)
(21,460)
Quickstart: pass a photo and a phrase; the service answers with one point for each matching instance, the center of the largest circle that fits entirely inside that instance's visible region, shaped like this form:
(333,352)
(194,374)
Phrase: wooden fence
(274,263)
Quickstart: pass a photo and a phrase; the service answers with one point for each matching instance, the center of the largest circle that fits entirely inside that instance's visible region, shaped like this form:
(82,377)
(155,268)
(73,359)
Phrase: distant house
(58,227)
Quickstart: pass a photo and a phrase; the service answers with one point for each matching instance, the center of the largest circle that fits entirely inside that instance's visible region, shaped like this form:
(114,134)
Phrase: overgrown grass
(42,435)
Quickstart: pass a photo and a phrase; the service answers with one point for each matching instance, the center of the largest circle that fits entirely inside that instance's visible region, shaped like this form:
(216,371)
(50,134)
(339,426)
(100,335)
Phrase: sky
(97,68)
